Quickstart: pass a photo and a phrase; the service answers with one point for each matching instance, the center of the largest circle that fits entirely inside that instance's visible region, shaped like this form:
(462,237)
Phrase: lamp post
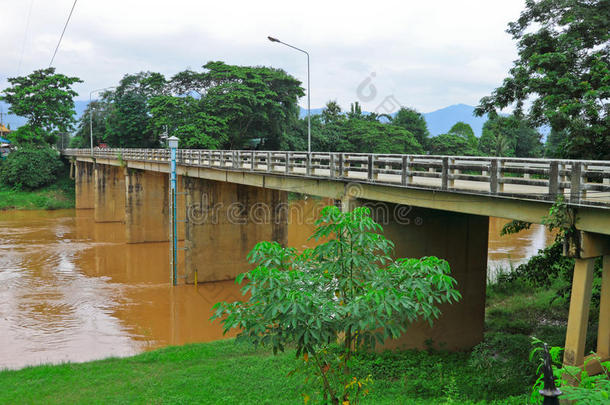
(91,114)
(308,91)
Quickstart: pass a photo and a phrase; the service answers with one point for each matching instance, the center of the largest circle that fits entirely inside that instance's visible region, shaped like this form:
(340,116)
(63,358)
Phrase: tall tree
(414,122)
(128,121)
(45,99)
(331,112)
(465,131)
(563,68)
(97,111)
(255,102)
(510,136)
(451,144)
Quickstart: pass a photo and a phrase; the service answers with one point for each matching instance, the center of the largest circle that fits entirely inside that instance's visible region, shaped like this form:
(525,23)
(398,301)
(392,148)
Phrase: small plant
(347,290)
(563,219)
(575,383)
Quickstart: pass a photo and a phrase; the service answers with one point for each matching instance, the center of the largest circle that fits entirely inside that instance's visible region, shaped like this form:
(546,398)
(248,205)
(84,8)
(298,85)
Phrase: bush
(30,167)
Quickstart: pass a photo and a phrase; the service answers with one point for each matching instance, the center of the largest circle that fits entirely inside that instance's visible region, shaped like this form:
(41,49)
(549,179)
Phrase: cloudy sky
(427,54)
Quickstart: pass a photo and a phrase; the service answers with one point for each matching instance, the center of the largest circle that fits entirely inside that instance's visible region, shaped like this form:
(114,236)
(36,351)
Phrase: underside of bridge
(225,214)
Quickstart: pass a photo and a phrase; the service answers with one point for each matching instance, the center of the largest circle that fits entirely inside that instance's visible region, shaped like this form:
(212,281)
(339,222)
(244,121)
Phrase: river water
(74,290)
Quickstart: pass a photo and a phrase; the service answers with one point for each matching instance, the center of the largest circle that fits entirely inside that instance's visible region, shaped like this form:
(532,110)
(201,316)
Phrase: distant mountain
(441,121)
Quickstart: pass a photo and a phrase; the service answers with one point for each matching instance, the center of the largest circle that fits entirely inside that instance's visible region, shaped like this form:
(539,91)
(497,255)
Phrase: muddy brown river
(74,290)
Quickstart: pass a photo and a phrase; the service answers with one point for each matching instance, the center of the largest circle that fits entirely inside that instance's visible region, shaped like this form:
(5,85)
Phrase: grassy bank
(59,195)
(495,372)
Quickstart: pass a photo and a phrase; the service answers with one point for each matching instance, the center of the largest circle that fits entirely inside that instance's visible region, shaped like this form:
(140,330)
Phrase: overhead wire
(62,33)
(25,36)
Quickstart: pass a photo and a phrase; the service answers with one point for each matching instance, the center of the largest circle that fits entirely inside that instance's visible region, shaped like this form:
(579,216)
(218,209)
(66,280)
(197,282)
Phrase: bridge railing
(581,181)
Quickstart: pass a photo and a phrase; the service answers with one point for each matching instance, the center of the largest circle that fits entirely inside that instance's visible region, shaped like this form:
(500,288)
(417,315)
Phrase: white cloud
(428,54)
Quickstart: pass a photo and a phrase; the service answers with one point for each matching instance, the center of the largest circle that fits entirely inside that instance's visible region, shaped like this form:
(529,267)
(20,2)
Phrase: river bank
(59,195)
(497,371)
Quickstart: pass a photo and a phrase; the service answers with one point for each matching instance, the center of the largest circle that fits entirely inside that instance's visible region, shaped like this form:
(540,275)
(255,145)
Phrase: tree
(465,131)
(128,120)
(451,144)
(331,112)
(564,70)
(510,136)
(183,117)
(254,102)
(370,136)
(414,122)
(97,111)
(348,286)
(45,99)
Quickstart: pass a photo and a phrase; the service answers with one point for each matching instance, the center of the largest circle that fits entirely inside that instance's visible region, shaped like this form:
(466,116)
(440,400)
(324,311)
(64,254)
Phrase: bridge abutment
(84,184)
(109,193)
(462,240)
(224,222)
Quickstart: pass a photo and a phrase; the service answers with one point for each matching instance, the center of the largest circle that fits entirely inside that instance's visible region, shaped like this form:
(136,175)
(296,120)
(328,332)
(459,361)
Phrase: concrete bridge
(233,199)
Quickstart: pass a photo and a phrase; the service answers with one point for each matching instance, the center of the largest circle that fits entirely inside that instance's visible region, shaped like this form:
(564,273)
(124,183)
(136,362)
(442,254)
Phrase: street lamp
(91,114)
(308,91)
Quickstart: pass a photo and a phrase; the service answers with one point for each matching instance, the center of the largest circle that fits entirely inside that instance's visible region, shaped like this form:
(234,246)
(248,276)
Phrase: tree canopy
(563,70)
(45,99)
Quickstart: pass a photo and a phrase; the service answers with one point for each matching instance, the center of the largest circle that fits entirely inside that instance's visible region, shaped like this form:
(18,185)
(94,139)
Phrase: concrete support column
(109,194)
(578,317)
(603,332)
(591,247)
(85,185)
(461,239)
(224,222)
(146,206)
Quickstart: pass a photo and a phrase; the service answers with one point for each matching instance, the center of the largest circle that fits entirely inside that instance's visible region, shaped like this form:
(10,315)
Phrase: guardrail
(583,182)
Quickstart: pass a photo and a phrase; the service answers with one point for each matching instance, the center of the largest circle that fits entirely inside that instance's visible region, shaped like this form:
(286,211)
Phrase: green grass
(59,195)
(227,373)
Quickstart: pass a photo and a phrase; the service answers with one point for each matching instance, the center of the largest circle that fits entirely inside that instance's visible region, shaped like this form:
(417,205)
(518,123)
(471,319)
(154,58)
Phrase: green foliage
(45,98)
(97,111)
(563,69)
(254,102)
(510,136)
(184,118)
(514,226)
(30,167)
(127,117)
(415,123)
(450,144)
(590,390)
(348,286)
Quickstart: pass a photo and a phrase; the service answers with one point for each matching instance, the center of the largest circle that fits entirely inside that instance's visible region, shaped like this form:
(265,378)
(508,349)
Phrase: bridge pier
(224,222)
(146,206)
(591,247)
(85,184)
(461,239)
(109,192)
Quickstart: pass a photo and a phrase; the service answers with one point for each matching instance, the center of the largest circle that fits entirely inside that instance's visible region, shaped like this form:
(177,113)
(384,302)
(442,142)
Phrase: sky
(422,54)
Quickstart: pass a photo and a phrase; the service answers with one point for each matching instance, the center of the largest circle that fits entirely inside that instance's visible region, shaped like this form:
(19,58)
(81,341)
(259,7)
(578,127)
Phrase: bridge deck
(514,188)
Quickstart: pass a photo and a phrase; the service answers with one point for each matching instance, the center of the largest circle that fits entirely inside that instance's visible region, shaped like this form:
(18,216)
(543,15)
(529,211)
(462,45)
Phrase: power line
(62,33)
(25,36)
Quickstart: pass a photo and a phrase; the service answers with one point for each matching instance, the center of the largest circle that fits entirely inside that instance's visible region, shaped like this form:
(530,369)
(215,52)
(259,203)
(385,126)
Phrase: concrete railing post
(340,173)
(494,173)
(576,183)
(308,164)
(554,180)
(287,163)
(444,173)
(370,168)
(251,161)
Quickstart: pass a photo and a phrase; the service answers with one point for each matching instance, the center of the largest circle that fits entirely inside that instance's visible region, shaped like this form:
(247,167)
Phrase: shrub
(348,286)
(30,167)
